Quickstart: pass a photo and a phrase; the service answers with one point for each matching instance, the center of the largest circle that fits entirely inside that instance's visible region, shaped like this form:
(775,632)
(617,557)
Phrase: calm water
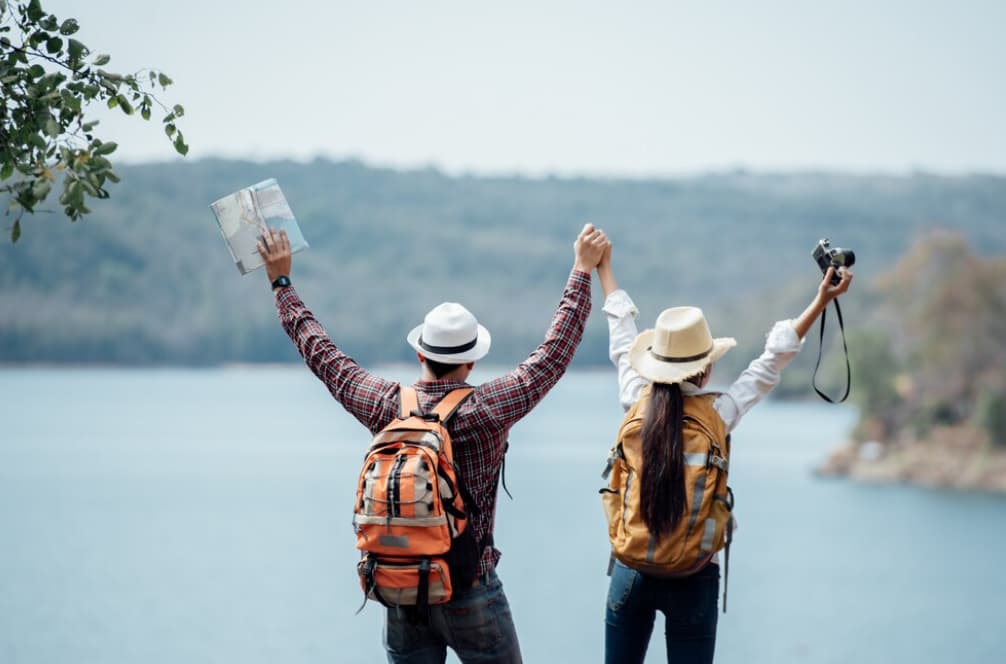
(204,516)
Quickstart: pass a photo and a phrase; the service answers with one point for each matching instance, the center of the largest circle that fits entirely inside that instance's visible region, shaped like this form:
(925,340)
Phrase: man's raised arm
(359,391)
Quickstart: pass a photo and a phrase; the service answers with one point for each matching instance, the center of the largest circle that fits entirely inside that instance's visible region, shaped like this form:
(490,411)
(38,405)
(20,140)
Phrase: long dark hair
(662,488)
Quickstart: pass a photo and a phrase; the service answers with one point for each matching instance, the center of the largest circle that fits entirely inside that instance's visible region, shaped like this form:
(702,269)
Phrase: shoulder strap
(451,402)
(409,401)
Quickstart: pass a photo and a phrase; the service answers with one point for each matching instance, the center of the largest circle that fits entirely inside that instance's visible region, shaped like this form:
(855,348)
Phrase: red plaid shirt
(480,427)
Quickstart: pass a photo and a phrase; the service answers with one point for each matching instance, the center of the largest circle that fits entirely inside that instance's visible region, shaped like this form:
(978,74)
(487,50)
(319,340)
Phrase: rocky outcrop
(960,457)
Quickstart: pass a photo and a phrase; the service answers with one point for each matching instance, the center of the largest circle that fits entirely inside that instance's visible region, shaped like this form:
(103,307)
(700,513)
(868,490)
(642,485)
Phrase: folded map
(248,213)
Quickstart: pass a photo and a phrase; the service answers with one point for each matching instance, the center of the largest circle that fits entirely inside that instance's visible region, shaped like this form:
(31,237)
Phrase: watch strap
(281,281)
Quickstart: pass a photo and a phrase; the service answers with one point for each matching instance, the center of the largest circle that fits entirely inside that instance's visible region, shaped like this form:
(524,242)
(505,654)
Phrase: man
(476,623)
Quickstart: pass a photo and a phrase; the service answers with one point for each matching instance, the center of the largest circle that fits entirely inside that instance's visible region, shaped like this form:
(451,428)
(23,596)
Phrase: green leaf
(15,233)
(180,146)
(35,11)
(74,192)
(145,111)
(75,49)
(88,126)
(170,129)
(53,44)
(52,128)
(69,26)
(36,71)
(163,79)
(179,110)
(102,60)
(6,170)
(113,102)
(112,176)
(124,104)
(106,148)
(40,189)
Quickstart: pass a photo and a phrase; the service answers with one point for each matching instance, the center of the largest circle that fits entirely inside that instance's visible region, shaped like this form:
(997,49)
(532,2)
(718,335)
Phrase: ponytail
(662,488)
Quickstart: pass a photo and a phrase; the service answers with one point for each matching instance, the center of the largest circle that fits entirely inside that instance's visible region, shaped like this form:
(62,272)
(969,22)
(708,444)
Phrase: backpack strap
(447,406)
(409,401)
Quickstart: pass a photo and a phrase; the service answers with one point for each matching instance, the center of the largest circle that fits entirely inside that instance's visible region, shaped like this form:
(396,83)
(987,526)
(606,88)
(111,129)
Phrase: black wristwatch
(281,281)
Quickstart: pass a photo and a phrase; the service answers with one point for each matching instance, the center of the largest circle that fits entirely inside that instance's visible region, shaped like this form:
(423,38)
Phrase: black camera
(836,257)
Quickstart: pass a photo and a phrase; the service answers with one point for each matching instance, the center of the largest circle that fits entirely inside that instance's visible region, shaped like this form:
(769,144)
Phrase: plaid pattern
(480,427)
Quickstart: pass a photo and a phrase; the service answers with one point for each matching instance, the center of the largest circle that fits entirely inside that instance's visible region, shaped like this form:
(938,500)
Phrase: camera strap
(820,350)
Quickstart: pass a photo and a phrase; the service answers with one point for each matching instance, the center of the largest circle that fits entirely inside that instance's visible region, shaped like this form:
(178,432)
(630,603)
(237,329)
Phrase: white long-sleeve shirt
(754,383)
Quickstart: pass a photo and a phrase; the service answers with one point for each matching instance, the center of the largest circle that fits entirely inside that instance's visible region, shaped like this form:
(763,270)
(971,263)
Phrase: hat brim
(661,371)
(477,352)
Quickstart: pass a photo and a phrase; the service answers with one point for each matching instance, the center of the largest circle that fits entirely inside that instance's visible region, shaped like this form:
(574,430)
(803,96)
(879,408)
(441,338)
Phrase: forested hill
(147,278)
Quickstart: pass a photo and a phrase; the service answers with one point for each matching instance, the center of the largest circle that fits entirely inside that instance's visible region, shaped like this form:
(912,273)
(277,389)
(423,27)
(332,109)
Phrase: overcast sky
(578,87)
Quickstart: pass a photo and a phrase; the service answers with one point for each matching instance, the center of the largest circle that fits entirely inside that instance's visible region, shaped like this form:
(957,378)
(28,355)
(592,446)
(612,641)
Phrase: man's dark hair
(440,369)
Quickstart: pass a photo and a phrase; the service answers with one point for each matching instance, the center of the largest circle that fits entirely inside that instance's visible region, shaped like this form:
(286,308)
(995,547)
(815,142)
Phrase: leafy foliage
(946,310)
(48,79)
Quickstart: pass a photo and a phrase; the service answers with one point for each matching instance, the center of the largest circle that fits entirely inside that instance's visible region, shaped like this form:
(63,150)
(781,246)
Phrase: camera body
(827,256)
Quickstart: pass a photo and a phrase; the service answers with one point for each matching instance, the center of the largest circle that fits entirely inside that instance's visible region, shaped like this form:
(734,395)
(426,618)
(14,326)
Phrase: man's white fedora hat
(450,334)
(679,346)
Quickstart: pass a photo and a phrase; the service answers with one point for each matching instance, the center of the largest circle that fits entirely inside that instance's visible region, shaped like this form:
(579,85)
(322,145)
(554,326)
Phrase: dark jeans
(476,624)
(689,605)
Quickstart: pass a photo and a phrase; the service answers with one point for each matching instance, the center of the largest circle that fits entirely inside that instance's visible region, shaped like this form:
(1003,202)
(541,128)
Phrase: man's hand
(589,248)
(275,251)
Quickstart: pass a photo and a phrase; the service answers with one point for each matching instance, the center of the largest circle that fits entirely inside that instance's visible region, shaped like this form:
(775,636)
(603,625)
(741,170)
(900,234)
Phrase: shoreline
(960,458)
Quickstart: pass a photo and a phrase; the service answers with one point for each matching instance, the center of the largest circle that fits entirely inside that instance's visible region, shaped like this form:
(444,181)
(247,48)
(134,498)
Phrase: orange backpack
(707,523)
(410,517)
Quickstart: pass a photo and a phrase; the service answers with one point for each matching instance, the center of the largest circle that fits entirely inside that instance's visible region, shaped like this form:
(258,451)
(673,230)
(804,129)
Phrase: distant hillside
(147,279)
(931,373)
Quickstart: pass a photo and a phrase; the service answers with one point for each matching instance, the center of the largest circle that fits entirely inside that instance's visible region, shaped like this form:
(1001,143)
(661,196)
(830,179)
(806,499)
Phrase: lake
(197,516)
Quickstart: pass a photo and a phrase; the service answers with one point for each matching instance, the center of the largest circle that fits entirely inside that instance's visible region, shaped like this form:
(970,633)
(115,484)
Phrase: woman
(661,376)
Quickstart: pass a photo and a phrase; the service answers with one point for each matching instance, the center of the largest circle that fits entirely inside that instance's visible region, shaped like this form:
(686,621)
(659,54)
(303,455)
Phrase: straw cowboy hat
(680,346)
(450,334)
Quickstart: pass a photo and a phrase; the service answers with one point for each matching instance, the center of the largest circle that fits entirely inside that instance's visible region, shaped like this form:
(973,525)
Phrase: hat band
(447,350)
(690,358)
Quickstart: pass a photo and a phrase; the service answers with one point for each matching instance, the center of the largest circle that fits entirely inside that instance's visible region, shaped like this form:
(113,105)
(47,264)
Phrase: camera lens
(846,257)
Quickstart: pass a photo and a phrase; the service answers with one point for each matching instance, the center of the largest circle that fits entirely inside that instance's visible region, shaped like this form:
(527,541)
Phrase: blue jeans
(689,605)
(476,624)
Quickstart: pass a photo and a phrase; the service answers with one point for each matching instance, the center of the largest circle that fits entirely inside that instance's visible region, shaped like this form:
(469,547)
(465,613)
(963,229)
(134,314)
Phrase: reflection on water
(204,516)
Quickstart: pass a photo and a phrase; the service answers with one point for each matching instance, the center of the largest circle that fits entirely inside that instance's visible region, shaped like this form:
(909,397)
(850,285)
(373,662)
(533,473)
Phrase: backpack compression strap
(409,401)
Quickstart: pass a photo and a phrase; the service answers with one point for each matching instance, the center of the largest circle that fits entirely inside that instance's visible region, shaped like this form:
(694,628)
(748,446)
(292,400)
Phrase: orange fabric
(398,583)
(408,497)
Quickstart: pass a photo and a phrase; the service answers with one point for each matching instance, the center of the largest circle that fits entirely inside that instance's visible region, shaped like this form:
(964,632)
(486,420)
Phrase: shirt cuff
(286,296)
(620,305)
(782,338)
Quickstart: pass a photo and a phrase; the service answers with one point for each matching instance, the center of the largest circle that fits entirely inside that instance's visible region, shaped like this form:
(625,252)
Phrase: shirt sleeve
(762,375)
(360,392)
(513,395)
(621,313)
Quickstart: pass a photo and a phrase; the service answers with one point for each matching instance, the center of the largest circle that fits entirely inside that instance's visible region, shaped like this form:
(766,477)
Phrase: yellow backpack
(707,523)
